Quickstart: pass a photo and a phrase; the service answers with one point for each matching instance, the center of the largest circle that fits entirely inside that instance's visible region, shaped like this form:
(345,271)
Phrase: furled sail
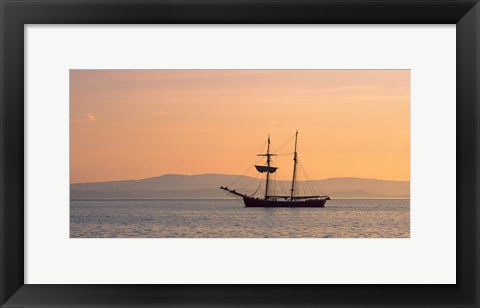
(263,169)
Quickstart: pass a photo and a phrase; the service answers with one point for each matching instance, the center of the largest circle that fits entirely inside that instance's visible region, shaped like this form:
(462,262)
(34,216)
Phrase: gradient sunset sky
(133,124)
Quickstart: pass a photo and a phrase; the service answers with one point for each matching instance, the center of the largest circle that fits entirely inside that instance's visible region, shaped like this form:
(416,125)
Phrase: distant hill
(205,186)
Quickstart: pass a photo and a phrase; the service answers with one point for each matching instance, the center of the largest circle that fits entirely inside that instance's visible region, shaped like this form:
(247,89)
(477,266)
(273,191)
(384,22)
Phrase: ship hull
(252,202)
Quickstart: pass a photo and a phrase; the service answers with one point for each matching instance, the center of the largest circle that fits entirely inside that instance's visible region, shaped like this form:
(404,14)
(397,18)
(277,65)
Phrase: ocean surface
(230,219)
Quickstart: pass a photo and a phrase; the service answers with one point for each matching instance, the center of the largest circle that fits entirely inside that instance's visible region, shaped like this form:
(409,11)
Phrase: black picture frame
(17,13)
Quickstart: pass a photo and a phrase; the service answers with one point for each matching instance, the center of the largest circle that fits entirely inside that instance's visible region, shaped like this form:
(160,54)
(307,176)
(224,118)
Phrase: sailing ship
(273,200)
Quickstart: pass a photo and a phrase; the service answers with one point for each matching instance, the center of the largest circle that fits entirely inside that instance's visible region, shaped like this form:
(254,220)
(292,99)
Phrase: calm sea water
(230,219)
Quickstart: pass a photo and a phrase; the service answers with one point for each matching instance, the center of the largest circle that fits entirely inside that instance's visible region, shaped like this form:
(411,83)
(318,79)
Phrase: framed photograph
(120,118)
(239,153)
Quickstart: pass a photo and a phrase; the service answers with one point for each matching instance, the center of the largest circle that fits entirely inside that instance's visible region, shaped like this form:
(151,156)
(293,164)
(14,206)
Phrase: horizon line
(225,174)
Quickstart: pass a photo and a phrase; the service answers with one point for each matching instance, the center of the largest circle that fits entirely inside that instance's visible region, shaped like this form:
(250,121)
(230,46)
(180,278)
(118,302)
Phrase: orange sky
(132,124)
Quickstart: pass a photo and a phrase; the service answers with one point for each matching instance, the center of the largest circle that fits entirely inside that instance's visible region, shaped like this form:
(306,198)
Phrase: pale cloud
(87,117)
(383,97)
(145,116)
(273,123)
(340,89)
(160,113)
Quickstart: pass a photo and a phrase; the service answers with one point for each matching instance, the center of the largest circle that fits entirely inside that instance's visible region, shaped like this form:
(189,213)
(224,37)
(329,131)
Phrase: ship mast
(268,165)
(268,168)
(294,168)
